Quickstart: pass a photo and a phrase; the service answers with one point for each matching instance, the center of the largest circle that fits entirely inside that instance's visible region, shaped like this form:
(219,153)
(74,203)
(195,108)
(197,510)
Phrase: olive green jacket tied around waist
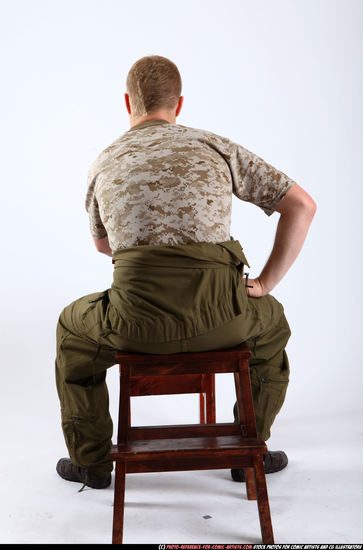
(163,293)
(164,299)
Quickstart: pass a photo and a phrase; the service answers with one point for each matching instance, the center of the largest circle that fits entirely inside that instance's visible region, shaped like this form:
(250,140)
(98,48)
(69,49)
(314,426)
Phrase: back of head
(153,83)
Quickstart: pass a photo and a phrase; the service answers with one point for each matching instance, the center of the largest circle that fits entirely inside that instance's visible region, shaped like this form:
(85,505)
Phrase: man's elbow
(297,202)
(309,206)
(102,245)
(98,244)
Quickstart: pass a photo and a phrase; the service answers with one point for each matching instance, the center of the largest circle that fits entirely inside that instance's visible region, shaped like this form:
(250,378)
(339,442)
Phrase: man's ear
(127,101)
(179,106)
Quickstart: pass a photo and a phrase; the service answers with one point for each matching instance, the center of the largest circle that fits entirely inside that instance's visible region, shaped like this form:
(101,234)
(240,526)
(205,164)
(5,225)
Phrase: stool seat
(190,446)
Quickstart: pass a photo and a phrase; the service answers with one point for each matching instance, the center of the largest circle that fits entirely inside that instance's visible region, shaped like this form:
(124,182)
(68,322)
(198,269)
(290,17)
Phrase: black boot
(70,472)
(273,461)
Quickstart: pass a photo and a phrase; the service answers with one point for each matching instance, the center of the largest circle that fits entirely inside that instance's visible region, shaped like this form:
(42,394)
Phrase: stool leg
(262,501)
(124,406)
(119,503)
(250,483)
(211,399)
(202,408)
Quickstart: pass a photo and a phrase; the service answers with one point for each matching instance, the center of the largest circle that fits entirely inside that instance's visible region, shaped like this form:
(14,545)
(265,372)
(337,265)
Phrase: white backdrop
(281,77)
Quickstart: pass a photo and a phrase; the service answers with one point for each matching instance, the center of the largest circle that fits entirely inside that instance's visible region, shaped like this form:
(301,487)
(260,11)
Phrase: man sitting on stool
(159,201)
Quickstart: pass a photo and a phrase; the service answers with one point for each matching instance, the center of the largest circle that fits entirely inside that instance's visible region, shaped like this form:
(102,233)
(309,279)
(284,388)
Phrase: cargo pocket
(88,439)
(93,302)
(269,396)
(72,433)
(92,312)
(62,335)
(74,429)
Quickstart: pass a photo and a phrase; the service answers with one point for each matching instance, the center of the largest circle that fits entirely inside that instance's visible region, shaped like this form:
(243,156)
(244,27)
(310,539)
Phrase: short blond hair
(153,83)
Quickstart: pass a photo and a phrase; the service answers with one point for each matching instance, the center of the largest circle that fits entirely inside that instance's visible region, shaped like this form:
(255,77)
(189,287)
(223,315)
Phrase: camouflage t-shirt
(163,183)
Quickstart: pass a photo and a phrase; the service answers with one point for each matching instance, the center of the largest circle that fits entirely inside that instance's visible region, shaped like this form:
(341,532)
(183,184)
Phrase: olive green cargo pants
(86,346)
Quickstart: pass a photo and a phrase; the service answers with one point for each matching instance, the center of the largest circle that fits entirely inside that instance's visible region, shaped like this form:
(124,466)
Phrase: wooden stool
(204,384)
(190,446)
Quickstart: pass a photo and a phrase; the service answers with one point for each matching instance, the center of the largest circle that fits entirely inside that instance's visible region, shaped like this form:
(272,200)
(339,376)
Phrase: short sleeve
(256,181)
(97,228)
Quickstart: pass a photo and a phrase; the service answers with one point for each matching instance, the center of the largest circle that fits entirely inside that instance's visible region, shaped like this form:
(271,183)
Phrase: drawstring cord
(85,482)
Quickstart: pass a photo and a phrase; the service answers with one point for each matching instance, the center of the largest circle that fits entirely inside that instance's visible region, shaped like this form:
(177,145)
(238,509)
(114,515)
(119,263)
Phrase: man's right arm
(97,228)
(103,246)
(296,210)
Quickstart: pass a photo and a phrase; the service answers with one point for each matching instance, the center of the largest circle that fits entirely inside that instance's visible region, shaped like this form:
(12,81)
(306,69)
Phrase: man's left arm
(256,181)
(296,210)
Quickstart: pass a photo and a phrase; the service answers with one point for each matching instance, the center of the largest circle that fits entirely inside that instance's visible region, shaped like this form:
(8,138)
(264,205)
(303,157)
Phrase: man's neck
(159,115)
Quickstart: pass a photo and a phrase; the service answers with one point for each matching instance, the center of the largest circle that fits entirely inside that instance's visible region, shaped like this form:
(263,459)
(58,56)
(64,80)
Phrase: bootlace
(85,482)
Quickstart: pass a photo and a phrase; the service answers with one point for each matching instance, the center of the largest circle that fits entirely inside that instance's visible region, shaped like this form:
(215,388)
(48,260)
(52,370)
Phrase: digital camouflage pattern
(163,183)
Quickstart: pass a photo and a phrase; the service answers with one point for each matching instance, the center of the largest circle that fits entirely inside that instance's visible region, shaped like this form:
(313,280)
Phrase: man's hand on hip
(254,288)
